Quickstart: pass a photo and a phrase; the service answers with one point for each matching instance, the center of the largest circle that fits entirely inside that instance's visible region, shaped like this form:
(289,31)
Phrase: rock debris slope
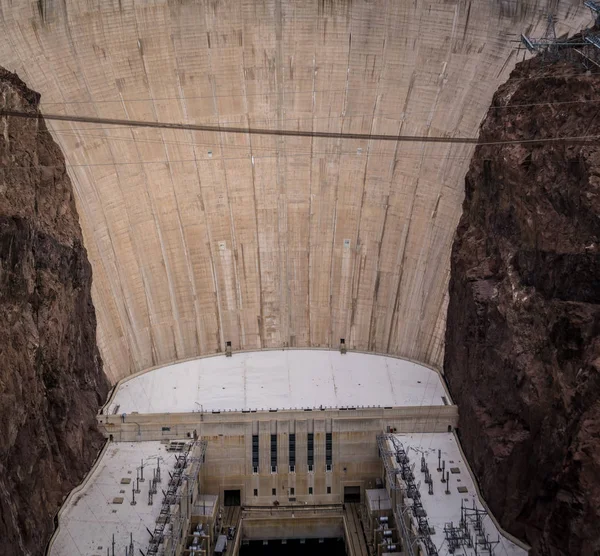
(51,378)
(522,342)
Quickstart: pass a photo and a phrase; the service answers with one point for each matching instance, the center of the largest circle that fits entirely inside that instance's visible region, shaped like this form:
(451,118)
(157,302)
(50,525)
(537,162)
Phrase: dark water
(330,547)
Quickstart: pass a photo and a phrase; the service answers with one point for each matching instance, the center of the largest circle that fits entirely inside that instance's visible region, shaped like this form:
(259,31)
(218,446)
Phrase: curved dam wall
(200,238)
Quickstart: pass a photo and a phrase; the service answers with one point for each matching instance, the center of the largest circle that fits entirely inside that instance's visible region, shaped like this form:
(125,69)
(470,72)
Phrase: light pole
(201,410)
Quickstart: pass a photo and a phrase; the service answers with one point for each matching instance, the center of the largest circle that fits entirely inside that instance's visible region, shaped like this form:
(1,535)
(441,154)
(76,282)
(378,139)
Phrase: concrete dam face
(199,238)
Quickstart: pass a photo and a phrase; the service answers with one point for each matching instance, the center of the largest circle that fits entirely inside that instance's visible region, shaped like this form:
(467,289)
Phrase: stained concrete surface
(199,238)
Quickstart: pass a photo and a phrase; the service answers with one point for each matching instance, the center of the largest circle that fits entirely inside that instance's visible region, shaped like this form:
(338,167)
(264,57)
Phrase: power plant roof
(281,379)
(450,503)
(102,505)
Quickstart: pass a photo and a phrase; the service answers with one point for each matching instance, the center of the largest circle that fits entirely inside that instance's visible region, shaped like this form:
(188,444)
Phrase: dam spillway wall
(200,238)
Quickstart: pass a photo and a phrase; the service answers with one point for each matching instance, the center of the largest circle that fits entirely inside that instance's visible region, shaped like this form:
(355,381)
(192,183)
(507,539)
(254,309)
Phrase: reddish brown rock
(523,336)
(51,378)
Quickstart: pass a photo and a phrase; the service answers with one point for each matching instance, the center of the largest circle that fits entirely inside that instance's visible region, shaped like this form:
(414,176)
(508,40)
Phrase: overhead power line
(590,139)
(310,118)
(250,150)
(287,94)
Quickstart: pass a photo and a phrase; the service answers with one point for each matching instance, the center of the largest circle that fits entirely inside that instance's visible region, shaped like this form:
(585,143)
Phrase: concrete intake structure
(198,239)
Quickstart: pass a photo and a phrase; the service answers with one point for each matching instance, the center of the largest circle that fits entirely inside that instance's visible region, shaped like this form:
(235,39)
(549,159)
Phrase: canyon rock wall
(51,377)
(523,337)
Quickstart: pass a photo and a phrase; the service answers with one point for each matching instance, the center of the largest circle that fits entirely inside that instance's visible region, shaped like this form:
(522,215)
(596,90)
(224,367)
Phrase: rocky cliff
(523,335)
(51,378)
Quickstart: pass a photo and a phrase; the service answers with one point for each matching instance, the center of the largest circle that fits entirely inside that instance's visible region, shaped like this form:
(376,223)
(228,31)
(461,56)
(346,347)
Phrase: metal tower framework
(595,9)
(550,44)
(470,532)
(168,527)
(401,479)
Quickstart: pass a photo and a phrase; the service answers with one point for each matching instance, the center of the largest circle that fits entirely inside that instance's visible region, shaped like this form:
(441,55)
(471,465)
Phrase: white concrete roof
(90,518)
(289,379)
(444,508)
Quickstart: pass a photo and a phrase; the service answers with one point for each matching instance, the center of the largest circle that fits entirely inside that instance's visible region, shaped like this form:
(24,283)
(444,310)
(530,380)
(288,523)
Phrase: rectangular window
(311,450)
(328,490)
(328,450)
(274,491)
(292,468)
(310,468)
(255,453)
(255,492)
(309,490)
(292,448)
(292,491)
(273,453)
